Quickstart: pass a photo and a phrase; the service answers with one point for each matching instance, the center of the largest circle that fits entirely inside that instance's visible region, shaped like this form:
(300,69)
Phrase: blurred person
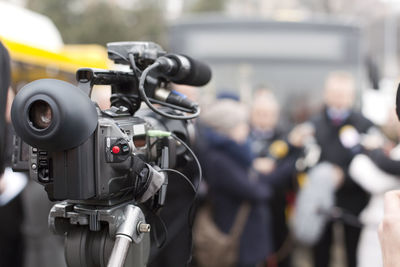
(11,213)
(368,170)
(377,182)
(389,230)
(227,161)
(330,133)
(41,247)
(271,145)
(263,121)
(25,238)
(377,170)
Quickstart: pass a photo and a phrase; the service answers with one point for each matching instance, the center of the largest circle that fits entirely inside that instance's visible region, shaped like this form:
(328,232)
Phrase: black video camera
(105,157)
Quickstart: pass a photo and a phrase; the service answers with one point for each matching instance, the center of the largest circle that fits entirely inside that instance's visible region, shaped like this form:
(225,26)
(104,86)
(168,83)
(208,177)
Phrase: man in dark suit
(331,125)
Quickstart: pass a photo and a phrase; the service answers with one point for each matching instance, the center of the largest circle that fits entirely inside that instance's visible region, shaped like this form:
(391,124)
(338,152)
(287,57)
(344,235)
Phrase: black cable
(192,205)
(183,176)
(148,103)
(154,143)
(156,101)
(164,227)
(193,156)
(133,65)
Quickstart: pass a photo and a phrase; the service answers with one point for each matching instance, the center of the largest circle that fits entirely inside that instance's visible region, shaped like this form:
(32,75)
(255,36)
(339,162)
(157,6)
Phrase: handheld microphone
(184,70)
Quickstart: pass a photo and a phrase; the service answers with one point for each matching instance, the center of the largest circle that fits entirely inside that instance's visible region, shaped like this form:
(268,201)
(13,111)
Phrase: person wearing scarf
(227,161)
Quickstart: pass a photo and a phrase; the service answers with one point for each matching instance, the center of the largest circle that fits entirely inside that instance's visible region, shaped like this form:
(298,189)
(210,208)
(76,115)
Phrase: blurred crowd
(265,189)
(268,190)
(296,184)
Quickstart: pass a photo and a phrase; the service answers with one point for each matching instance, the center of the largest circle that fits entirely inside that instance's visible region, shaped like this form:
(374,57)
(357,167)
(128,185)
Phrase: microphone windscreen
(316,196)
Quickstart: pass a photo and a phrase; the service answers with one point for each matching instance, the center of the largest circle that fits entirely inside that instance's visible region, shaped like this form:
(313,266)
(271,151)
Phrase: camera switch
(115,149)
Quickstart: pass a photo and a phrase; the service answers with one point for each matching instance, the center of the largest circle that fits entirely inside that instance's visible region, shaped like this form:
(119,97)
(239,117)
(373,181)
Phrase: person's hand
(372,141)
(300,134)
(338,176)
(389,230)
(264,165)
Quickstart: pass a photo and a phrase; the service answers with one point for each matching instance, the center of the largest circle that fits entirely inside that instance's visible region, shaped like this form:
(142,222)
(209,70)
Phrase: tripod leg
(131,230)
(120,251)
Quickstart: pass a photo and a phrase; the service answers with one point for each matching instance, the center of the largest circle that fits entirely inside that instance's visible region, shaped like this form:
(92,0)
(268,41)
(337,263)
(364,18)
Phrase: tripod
(90,233)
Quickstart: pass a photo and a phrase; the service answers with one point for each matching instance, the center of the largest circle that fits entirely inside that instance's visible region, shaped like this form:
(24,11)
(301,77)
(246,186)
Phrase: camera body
(100,168)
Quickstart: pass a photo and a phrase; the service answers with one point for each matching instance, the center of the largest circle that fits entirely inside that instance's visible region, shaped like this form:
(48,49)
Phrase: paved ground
(301,254)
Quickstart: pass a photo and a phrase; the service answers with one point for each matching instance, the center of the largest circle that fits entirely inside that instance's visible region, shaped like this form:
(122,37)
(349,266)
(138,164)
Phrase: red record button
(115,149)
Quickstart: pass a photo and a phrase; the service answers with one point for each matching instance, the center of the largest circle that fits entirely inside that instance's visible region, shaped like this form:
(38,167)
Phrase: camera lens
(40,114)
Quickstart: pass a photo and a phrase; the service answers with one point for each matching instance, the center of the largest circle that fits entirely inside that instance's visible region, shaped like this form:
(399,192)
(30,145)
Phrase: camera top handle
(125,90)
(152,69)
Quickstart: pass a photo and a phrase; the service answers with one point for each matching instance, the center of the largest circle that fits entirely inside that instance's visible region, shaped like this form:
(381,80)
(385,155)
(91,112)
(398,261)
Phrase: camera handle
(90,243)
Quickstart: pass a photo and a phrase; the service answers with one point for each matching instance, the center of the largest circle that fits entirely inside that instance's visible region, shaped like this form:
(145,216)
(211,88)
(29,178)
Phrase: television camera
(108,167)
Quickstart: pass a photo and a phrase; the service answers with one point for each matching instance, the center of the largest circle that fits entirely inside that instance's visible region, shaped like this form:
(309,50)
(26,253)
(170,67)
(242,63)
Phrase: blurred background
(287,46)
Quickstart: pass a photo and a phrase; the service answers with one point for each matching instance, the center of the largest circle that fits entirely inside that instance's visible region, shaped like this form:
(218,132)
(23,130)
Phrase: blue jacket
(229,185)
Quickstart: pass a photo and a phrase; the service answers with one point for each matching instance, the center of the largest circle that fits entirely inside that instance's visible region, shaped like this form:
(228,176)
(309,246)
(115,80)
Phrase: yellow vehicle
(30,63)
(37,50)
